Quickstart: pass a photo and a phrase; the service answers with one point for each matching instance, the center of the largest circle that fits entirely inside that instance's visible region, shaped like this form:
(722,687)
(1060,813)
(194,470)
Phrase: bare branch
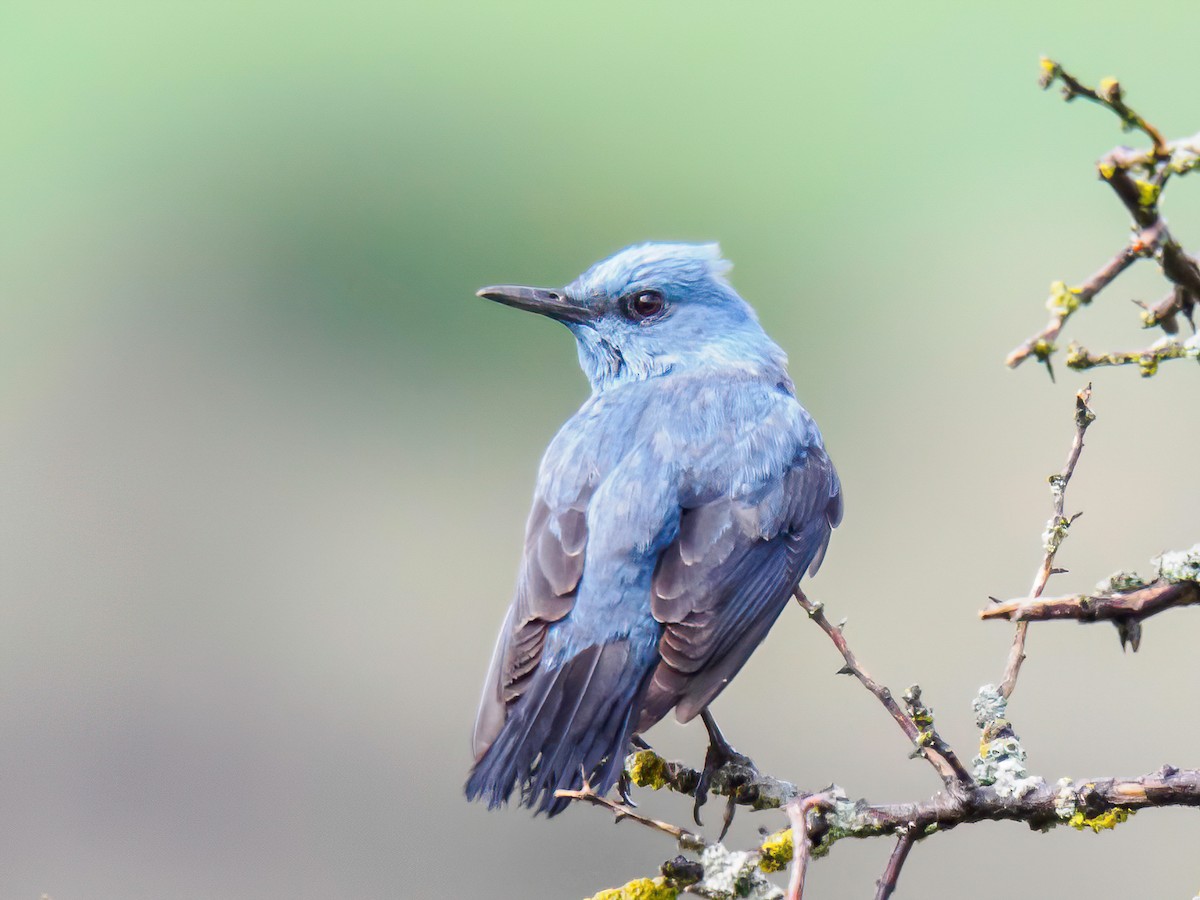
(686,839)
(798,811)
(926,743)
(891,874)
(1108,95)
(1056,533)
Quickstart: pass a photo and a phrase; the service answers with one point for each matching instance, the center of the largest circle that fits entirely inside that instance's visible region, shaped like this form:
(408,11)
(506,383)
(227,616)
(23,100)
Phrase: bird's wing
(720,585)
(550,571)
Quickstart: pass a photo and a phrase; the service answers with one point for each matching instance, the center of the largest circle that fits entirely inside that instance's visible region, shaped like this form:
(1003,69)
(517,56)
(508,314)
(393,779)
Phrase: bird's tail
(576,718)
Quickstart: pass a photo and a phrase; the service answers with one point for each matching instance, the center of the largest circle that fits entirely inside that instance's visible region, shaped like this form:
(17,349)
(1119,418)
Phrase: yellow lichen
(1063,300)
(1077,357)
(1042,349)
(647,769)
(1147,193)
(640,889)
(1109,89)
(1107,170)
(777,851)
(1110,819)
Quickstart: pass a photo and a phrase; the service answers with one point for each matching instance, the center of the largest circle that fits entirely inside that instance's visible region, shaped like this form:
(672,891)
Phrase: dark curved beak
(555,304)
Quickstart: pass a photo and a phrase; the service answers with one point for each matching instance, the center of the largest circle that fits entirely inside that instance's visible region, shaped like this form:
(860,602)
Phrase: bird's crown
(658,264)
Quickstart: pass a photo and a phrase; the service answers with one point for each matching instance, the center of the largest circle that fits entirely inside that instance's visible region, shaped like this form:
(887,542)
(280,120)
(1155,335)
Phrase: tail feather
(573,720)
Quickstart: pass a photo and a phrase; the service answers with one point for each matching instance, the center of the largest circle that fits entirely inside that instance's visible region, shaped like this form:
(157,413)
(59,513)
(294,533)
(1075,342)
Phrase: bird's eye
(643,305)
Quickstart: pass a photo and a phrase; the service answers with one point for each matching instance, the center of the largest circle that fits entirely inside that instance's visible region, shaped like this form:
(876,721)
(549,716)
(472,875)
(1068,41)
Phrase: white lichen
(729,875)
(1185,156)
(1121,581)
(989,704)
(1001,764)
(1179,565)
(1001,759)
(1064,801)
(845,815)
(1055,533)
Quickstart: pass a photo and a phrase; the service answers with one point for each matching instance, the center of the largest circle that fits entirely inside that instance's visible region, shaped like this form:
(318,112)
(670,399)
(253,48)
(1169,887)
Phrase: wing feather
(720,585)
(551,568)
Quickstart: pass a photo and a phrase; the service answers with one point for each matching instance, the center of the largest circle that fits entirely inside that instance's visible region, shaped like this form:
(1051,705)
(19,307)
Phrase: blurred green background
(265,460)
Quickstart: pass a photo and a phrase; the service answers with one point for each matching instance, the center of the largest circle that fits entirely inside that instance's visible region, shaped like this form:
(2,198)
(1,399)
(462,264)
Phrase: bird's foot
(736,770)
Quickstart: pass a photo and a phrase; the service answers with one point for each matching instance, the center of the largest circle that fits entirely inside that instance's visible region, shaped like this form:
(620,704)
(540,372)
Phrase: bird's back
(672,518)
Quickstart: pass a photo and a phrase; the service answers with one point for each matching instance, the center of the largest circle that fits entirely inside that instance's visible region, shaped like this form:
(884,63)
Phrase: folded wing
(550,573)
(720,585)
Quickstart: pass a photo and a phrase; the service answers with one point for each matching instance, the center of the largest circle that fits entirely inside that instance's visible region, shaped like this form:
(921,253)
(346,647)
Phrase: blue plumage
(673,515)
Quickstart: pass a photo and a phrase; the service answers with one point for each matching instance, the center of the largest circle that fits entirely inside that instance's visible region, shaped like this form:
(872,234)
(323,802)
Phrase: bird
(673,516)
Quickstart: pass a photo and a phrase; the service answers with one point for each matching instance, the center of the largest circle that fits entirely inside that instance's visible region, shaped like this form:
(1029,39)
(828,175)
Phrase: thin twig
(686,839)
(891,874)
(1056,532)
(1108,95)
(947,765)
(922,717)
(1147,360)
(1162,315)
(1064,301)
(797,812)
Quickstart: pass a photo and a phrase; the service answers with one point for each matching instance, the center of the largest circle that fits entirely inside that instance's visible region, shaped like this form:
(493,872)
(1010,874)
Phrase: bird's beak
(555,304)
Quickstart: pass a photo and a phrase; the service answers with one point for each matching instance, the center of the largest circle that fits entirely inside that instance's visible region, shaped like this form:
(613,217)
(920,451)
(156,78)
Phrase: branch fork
(1138,179)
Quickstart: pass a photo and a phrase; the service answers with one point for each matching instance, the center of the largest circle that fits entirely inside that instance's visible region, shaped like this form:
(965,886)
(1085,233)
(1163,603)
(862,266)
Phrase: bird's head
(653,309)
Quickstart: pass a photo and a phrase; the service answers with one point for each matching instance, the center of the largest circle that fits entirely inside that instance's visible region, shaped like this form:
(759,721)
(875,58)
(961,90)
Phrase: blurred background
(265,461)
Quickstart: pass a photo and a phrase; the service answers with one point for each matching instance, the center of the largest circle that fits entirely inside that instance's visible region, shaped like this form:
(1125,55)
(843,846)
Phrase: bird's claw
(721,754)
(623,787)
(730,809)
